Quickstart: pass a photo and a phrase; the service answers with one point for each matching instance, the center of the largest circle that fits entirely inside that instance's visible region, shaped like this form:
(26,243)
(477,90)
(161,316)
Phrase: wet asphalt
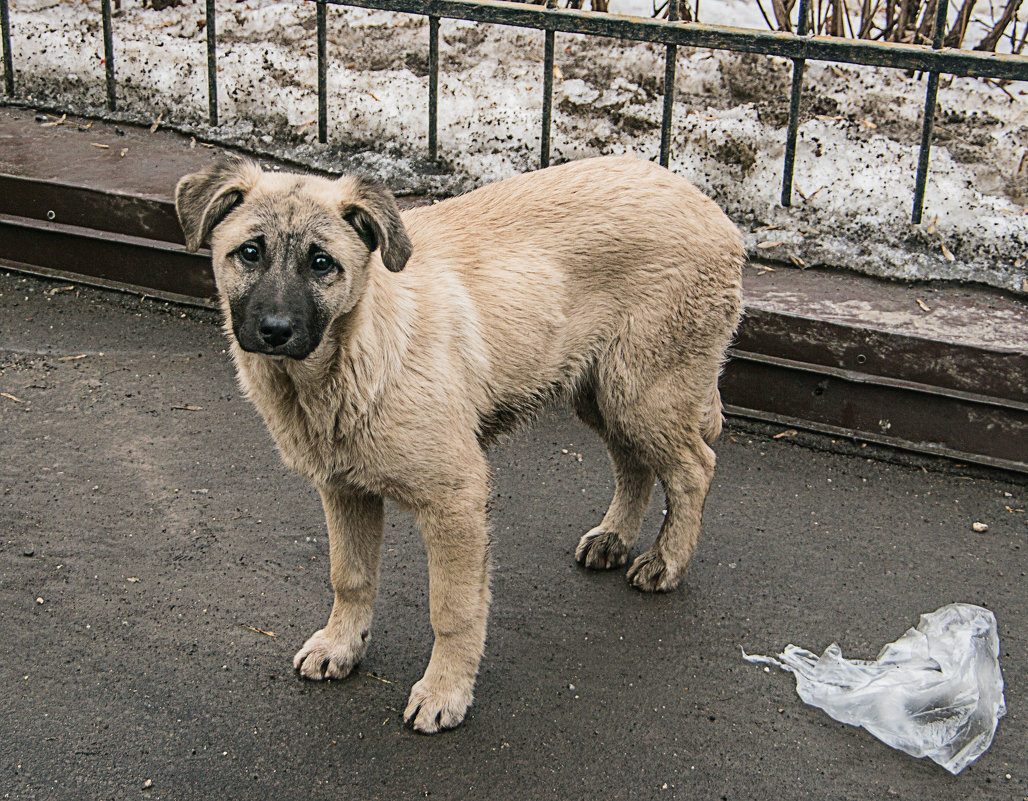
(159,567)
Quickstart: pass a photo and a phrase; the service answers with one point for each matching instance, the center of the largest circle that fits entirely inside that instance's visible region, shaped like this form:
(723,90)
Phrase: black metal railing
(799,47)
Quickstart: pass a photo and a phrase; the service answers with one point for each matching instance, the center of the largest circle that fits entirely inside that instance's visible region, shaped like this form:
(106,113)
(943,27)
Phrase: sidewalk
(152,542)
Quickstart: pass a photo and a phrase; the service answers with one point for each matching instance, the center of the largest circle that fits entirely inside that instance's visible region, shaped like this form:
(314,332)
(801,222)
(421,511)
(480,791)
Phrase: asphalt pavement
(159,567)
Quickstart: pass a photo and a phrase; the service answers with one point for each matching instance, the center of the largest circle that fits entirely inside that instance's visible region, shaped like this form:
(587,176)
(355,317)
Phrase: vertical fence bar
(5,33)
(322,72)
(798,65)
(212,66)
(544,145)
(929,118)
(105,12)
(670,61)
(433,88)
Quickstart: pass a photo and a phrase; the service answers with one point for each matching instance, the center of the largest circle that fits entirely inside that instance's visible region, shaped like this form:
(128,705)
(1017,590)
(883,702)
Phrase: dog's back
(608,265)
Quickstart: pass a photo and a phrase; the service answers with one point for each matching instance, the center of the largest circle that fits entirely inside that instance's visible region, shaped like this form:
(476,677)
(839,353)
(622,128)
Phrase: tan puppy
(385,351)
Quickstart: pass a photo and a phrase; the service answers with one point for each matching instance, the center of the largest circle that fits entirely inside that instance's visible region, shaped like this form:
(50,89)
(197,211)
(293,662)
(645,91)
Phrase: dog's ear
(375,217)
(203,199)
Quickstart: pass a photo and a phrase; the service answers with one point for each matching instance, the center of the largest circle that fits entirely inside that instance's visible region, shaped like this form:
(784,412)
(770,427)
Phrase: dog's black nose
(276,330)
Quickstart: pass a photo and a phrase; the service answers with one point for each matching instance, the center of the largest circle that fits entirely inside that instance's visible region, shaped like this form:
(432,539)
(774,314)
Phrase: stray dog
(385,351)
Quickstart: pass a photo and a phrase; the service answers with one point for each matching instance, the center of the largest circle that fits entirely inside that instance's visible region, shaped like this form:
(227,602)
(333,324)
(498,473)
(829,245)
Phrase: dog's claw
(324,657)
(650,573)
(430,711)
(601,550)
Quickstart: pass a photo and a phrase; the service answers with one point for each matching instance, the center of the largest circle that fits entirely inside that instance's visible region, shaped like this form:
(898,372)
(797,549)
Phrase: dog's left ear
(203,199)
(376,218)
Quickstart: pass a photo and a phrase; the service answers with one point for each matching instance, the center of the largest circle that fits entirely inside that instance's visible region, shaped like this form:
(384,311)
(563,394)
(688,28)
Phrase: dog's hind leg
(608,544)
(686,478)
(666,413)
(355,541)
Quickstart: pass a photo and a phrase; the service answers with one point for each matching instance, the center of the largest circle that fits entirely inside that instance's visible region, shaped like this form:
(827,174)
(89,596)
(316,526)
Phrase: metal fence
(799,47)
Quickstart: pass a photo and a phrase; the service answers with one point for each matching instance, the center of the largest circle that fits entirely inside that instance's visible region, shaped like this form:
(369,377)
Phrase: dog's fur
(610,283)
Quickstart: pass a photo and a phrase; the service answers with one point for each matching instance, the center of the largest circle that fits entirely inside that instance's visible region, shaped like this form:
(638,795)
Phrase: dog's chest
(317,429)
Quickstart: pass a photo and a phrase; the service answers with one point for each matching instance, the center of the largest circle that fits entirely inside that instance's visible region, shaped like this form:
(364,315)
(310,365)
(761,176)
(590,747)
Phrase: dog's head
(291,253)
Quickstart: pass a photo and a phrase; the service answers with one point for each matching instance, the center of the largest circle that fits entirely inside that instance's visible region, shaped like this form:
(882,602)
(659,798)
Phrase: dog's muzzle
(275,335)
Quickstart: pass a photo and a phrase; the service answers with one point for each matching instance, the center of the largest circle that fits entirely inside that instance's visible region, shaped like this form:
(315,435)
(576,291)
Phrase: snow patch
(856,155)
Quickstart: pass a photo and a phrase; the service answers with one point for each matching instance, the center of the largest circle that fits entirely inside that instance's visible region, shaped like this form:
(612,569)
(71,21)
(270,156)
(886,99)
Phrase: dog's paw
(433,708)
(650,573)
(601,550)
(326,657)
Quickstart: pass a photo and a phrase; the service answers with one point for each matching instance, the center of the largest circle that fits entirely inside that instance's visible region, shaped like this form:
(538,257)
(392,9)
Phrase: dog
(386,351)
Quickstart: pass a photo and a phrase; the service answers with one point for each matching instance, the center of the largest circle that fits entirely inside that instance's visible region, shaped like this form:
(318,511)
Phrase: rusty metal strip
(148,263)
(905,416)
(89,208)
(946,366)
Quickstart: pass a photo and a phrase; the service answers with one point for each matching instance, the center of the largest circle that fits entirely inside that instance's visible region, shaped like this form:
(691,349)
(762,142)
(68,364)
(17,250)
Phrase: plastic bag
(937,691)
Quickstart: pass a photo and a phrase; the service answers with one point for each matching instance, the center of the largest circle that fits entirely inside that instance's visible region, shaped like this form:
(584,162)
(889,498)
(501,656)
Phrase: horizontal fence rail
(964,63)
(672,33)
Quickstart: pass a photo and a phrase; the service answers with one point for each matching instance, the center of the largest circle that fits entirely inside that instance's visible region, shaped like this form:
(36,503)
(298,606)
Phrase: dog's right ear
(203,199)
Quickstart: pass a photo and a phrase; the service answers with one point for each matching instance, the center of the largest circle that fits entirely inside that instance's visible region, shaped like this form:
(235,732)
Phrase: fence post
(670,61)
(548,47)
(322,72)
(5,33)
(929,118)
(212,66)
(798,65)
(433,88)
(105,13)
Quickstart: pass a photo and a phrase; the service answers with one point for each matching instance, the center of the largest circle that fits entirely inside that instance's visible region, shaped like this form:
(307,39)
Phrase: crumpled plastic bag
(937,691)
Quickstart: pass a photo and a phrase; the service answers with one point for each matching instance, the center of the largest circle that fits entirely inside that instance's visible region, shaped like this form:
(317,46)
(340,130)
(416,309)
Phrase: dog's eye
(322,264)
(249,253)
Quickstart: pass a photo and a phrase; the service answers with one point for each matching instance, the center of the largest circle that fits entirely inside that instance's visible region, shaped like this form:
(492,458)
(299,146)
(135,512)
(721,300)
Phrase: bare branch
(992,38)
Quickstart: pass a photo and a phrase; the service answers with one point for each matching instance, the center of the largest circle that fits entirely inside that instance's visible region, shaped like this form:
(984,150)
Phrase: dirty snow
(856,156)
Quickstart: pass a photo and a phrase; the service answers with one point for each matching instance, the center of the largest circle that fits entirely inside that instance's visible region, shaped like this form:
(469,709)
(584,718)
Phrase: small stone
(28,550)
(981,528)
(148,784)
(39,600)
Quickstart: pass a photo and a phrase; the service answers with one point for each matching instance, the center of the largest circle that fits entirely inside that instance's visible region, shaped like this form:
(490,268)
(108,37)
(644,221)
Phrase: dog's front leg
(355,543)
(457,545)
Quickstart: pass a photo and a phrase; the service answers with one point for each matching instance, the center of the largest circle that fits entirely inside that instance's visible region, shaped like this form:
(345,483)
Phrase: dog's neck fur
(316,407)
